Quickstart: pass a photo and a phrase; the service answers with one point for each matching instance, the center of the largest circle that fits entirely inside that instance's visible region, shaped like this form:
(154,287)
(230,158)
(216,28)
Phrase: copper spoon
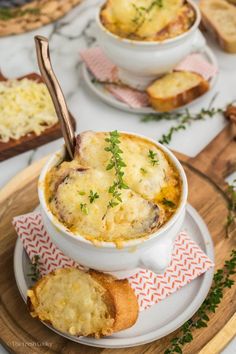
(49,77)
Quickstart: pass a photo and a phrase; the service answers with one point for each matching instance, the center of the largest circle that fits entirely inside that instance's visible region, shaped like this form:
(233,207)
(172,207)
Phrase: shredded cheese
(25,107)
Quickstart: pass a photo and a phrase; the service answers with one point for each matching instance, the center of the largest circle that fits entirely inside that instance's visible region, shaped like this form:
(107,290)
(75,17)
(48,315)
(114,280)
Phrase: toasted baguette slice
(175,90)
(83,303)
(219,17)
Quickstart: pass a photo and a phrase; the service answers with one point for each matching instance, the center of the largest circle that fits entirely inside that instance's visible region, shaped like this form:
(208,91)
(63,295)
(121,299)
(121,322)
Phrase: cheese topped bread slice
(133,218)
(79,192)
(141,175)
(83,303)
(176,89)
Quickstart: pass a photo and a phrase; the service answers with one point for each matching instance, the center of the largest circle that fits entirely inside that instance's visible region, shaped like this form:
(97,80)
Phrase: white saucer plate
(159,320)
(99,90)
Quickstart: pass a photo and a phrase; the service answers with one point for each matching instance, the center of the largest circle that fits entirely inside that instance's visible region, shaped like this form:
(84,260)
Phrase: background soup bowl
(152,252)
(141,62)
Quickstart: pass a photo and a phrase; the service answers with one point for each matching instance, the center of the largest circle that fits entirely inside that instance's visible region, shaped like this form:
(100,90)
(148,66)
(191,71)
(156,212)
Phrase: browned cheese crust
(117,296)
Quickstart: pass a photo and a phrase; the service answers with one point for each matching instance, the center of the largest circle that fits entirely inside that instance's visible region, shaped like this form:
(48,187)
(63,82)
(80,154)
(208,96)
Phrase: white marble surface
(67,37)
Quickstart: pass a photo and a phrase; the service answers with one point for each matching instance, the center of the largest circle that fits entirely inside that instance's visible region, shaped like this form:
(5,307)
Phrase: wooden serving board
(20,333)
(29,141)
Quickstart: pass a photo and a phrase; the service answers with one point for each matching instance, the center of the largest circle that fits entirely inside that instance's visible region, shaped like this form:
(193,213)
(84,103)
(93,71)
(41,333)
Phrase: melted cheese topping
(72,301)
(143,19)
(143,208)
(25,107)
(140,175)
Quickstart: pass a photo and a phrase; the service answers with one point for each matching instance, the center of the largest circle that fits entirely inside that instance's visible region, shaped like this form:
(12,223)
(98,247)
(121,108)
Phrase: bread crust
(119,298)
(226,44)
(165,104)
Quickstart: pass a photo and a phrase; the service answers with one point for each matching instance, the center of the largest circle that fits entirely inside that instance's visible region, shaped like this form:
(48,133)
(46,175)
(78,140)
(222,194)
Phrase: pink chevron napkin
(196,63)
(106,72)
(188,261)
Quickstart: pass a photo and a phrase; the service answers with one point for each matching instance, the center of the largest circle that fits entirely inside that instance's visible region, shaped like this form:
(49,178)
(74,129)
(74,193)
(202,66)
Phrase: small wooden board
(29,141)
(36,14)
(20,333)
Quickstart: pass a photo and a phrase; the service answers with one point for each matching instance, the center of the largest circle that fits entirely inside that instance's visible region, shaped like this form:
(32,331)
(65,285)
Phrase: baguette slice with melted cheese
(71,185)
(83,303)
(219,17)
(175,90)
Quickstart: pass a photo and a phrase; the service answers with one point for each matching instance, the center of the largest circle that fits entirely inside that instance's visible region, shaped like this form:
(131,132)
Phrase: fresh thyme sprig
(142,11)
(7,14)
(184,119)
(222,279)
(35,273)
(231,217)
(116,162)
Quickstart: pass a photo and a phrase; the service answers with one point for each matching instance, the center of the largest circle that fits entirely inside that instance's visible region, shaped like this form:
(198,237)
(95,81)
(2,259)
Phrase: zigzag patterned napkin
(188,261)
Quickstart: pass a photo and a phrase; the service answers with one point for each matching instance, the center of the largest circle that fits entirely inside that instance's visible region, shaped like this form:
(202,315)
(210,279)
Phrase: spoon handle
(45,67)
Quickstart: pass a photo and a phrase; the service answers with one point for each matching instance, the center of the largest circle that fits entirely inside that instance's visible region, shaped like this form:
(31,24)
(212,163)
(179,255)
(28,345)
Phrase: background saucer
(99,90)
(157,321)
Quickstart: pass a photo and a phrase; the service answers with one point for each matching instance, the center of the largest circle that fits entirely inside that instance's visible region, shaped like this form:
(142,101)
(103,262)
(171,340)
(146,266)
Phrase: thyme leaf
(84,208)
(168,203)
(152,157)
(35,273)
(93,196)
(143,171)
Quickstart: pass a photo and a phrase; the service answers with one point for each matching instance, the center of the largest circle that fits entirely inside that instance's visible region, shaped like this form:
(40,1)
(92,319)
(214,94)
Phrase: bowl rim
(58,156)
(151,43)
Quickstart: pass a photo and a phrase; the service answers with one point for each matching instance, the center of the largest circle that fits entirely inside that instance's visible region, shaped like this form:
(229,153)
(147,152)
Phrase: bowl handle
(158,257)
(199,42)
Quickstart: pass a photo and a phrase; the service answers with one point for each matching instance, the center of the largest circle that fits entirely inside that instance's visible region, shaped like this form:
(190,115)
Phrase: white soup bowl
(153,252)
(141,62)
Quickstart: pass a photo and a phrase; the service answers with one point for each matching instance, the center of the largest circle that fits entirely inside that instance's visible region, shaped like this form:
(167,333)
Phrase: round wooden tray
(20,333)
(34,15)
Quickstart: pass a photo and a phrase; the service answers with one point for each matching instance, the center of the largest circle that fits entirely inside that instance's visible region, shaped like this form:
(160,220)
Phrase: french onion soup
(147,20)
(118,187)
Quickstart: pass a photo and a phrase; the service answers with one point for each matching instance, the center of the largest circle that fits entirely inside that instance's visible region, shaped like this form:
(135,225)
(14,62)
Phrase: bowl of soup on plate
(118,205)
(148,38)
